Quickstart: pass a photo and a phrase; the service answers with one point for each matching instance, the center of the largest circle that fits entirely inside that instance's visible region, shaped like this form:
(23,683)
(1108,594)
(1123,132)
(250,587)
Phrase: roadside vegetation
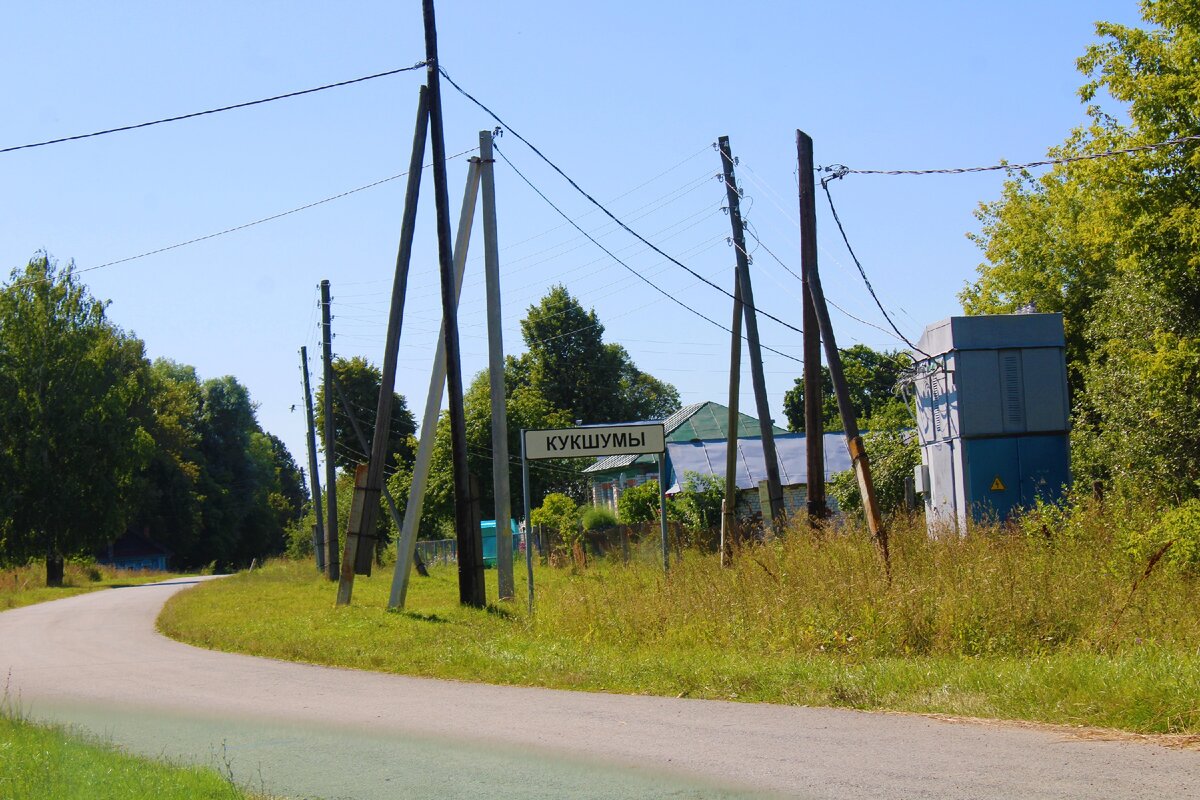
(24,586)
(1074,616)
(45,762)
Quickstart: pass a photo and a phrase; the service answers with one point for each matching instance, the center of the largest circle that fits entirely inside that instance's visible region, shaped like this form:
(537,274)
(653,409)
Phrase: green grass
(40,762)
(24,586)
(998,625)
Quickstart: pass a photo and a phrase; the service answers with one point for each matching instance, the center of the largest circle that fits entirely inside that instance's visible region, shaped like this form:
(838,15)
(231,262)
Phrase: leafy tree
(871,376)
(572,369)
(360,381)
(1111,243)
(71,384)
(167,499)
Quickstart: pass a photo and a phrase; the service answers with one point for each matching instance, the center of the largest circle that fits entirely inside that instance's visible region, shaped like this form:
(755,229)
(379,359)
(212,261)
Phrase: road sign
(595,441)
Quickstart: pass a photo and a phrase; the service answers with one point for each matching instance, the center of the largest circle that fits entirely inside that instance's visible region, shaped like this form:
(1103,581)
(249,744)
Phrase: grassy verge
(24,586)
(998,625)
(40,762)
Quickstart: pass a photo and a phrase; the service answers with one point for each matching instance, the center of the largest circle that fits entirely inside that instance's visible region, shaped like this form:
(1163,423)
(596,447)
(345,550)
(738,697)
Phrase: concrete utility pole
(315,480)
(854,442)
(814,423)
(470,561)
(406,549)
(360,558)
(500,466)
(774,485)
(331,524)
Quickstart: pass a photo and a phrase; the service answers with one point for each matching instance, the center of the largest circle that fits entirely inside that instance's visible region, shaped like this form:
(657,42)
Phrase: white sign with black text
(595,441)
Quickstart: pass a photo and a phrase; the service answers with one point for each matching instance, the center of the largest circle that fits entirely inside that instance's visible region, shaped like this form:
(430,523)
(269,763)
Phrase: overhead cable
(245,225)
(614,257)
(213,110)
(608,213)
(863,272)
(841,170)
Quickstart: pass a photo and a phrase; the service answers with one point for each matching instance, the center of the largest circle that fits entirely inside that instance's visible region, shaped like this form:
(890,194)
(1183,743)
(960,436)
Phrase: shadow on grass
(420,617)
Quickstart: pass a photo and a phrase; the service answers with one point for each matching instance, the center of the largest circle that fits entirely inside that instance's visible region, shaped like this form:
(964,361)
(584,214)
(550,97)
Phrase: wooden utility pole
(500,471)
(331,524)
(729,504)
(362,443)
(854,442)
(406,548)
(814,423)
(315,480)
(774,485)
(470,561)
(360,558)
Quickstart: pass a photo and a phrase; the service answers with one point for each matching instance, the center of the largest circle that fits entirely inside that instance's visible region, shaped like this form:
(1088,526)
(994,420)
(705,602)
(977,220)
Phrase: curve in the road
(97,660)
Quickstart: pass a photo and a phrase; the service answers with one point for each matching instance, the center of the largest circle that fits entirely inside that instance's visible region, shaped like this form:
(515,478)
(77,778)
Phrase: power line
(750,230)
(243,226)
(613,256)
(213,110)
(605,210)
(841,170)
(863,272)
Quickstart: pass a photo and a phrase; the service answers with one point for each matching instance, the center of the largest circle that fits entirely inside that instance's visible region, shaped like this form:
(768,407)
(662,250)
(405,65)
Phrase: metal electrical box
(992,416)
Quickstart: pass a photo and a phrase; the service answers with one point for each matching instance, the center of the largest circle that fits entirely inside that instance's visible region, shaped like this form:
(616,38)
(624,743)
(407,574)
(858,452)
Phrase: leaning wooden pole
(357,559)
(854,442)
(757,376)
(406,547)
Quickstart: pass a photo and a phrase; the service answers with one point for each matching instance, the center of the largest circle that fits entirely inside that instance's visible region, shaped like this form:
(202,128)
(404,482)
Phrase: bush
(596,518)
(639,503)
(894,454)
(1181,527)
(559,513)
(698,503)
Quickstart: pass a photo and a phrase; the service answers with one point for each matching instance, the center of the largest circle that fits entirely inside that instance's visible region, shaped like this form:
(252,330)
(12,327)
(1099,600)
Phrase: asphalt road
(304,731)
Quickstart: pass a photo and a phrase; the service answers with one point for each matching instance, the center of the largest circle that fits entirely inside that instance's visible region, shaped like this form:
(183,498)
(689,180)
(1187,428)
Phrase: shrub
(894,454)
(639,503)
(595,518)
(1181,527)
(699,500)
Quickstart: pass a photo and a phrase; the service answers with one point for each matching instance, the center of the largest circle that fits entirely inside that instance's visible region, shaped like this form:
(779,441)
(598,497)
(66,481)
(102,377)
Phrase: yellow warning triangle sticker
(998,485)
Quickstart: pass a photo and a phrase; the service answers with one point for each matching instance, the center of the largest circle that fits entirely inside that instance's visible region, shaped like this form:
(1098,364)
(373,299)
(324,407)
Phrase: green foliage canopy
(871,377)
(1112,243)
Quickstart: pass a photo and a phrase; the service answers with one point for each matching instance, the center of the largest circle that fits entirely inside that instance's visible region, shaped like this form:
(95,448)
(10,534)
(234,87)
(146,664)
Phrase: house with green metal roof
(610,475)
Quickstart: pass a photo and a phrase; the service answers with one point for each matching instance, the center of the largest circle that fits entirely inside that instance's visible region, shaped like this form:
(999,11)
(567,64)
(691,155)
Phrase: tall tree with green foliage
(360,381)
(871,377)
(568,363)
(71,384)
(1112,243)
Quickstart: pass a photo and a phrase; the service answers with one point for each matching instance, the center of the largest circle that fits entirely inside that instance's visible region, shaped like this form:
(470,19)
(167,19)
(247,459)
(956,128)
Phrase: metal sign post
(593,441)
(528,524)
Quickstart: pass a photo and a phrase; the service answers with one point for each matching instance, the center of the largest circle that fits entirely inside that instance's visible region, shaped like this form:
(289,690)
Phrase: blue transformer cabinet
(992,416)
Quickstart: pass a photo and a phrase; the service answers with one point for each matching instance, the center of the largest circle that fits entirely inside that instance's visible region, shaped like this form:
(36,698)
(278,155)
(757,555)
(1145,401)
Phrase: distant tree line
(97,440)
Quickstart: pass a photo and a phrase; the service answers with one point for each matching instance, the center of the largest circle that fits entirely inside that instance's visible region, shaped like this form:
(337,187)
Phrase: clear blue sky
(626,96)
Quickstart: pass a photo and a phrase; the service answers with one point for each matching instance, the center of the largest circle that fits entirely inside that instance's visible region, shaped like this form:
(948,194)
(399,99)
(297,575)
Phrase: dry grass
(1006,623)
(23,586)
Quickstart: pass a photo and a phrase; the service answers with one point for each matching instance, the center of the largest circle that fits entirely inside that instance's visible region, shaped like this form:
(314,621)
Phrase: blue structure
(992,416)
(488,528)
